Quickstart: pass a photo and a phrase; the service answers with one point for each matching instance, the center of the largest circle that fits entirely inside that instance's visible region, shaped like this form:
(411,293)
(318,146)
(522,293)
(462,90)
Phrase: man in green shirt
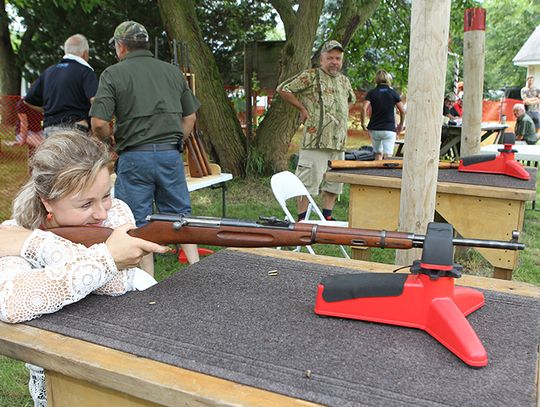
(153,107)
(323,96)
(525,129)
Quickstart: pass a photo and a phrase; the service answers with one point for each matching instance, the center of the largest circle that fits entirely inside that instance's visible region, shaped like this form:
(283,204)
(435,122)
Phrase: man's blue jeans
(145,177)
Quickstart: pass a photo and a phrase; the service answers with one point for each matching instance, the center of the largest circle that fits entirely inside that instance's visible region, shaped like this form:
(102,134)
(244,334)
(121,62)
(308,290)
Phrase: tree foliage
(375,32)
(383,43)
(225,25)
(509,24)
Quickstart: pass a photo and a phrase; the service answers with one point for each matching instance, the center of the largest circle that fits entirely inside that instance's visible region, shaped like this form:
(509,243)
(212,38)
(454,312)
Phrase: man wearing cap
(153,107)
(64,92)
(322,95)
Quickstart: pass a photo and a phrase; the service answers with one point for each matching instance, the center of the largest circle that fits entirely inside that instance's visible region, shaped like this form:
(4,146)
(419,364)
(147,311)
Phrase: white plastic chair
(286,185)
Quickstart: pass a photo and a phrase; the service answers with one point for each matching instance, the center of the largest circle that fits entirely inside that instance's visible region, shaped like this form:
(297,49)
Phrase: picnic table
(451,138)
(483,206)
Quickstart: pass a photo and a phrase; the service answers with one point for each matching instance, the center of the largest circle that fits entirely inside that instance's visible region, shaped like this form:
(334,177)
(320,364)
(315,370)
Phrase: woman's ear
(46,204)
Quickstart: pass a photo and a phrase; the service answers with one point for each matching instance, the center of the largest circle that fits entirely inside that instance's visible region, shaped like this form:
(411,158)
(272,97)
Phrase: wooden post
(430,22)
(473,79)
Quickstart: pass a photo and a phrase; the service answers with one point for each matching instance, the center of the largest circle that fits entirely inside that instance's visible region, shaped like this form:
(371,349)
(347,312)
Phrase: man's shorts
(383,141)
(312,165)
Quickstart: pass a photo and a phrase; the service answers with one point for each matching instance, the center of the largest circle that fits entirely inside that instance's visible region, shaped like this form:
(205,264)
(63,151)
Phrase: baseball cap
(330,45)
(130,31)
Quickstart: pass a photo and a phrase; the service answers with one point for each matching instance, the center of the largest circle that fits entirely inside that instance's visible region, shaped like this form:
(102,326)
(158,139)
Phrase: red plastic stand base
(504,164)
(202,252)
(435,306)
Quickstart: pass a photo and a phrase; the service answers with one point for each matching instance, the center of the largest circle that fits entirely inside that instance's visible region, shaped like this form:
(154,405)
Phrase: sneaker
(331,219)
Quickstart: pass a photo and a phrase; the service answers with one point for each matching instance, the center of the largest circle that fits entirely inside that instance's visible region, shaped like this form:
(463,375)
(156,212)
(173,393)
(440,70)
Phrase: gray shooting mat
(227,317)
(455,176)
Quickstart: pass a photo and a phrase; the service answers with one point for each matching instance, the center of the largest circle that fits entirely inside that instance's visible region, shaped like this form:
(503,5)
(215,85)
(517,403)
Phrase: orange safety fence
(493,110)
(20,133)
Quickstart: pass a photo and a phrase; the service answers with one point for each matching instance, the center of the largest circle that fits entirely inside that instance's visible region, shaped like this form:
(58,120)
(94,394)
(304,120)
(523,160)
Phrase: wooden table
(83,374)
(475,211)
(524,152)
(451,138)
(216,179)
(529,154)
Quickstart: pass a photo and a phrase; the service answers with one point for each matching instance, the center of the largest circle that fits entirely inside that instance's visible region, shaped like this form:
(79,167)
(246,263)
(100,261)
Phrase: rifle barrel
(487,244)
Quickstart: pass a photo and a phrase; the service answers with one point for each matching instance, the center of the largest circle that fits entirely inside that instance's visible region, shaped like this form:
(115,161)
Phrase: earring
(49,216)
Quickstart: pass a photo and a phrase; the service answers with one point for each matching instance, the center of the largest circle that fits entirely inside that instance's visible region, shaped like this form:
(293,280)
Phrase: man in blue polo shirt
(64,91)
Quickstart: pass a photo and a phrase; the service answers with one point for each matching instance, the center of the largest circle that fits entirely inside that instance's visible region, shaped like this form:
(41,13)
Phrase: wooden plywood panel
(374,207)
(65,391)
(484,218)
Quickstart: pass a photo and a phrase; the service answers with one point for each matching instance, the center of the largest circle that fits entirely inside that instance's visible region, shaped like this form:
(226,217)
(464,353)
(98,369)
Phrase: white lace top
(52,272)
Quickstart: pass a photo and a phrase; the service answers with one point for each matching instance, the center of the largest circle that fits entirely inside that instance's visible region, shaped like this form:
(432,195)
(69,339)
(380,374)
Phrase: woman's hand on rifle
(127,251)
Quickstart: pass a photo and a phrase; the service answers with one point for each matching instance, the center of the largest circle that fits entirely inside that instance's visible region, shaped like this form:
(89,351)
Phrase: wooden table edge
(442,187)
(123,372)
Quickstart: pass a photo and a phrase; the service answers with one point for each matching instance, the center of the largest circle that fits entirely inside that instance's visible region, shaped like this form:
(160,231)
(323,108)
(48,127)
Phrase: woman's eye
(87,205)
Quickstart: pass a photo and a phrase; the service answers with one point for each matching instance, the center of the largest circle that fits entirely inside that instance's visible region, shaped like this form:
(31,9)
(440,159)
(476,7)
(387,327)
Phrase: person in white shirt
(41,272)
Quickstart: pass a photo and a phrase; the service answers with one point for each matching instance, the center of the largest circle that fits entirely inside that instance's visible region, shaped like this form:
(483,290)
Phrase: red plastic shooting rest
(504,163)
(435,306)
(426,299)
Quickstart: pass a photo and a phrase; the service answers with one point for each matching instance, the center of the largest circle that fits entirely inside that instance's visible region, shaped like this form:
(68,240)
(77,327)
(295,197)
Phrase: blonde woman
(40,272)
(382,102)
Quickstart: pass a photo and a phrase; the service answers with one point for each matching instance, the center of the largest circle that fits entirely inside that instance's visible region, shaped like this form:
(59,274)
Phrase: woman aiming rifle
(40,272)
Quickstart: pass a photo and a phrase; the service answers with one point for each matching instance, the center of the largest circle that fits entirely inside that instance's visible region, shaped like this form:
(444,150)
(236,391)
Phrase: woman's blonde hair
(383,77)
(67,162)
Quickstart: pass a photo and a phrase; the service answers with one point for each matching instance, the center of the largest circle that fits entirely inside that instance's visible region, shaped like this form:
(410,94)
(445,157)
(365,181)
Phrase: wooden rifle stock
(269,232)
(344,164)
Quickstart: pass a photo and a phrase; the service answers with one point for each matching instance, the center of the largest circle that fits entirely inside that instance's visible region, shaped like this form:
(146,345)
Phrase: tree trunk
(352,16)
(281,121)
(10,74)
(216,118)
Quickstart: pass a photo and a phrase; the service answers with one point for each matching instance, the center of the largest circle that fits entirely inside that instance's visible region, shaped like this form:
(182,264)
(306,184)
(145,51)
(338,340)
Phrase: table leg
(223,187)
(503,274)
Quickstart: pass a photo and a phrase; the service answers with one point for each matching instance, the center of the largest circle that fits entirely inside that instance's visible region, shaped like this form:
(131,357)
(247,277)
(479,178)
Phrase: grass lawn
(250,198)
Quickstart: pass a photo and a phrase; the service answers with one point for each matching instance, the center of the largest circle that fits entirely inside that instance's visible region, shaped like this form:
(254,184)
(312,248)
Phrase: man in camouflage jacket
(323,96)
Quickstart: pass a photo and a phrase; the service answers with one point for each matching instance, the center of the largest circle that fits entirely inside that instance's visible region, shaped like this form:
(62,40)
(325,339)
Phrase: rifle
(167,229)
(344,164)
